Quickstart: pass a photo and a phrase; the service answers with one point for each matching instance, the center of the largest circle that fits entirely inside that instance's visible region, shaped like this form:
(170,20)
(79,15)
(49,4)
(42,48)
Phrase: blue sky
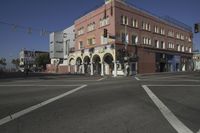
(55,15)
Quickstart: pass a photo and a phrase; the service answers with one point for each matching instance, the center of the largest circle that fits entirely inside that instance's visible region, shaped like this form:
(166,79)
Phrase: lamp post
(115,61)
(115,57)
(126,59)
(91,50)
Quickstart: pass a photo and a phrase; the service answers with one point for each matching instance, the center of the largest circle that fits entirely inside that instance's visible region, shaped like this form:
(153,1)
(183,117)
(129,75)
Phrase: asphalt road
(78,104)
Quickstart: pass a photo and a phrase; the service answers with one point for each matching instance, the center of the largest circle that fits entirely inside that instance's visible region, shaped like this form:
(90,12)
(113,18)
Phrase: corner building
(137,42)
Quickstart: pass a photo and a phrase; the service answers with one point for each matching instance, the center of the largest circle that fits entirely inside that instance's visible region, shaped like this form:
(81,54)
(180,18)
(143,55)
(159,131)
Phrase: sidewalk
(165,73)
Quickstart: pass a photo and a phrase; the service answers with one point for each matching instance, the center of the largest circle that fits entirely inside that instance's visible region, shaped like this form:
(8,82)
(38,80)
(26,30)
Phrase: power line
(29,30)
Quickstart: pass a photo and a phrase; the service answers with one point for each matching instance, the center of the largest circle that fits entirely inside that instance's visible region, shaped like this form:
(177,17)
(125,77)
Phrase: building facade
(61,44)
(68,42)
(56,47)
(27,58)
(137,42)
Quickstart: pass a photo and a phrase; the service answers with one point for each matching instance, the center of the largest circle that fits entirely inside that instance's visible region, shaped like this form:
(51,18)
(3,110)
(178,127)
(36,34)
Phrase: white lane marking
(31,85)
(101,79)
(171,118)
(137,78)
(68,80)
(198,131)
(173,85)
(172,76)
(34,107)
(175,80)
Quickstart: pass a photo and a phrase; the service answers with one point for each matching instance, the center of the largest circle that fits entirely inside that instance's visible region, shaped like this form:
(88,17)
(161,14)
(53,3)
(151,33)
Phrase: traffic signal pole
(197,28)
(115,61)
(106,35)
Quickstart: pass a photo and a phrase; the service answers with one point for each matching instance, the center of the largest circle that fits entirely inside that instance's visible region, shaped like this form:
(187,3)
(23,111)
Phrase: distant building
(60,44)
(69,42)
(56,47)
(27,58)
(196,60)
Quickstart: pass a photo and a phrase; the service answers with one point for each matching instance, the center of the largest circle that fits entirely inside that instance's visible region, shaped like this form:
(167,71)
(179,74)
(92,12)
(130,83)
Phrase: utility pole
(126,39)
(115,62)
(108,36)
(126,59)
(196,31)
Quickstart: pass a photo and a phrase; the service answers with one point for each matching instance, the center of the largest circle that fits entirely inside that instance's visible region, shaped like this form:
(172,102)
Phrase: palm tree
(3,61)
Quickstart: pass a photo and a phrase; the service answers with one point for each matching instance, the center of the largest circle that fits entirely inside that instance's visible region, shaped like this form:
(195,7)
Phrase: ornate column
(92,68)
(136,68)
(69,68)
(83,68)
(75,68)
(115,61)
(102,68)
(115,69)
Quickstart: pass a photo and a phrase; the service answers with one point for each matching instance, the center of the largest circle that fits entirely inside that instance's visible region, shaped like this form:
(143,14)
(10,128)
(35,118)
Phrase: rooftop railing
(165,19)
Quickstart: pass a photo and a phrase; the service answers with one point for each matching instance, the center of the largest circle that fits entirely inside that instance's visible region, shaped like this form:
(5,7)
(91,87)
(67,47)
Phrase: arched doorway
(96,64)
(108,63)
(86,61)
(79,65)
(72,65)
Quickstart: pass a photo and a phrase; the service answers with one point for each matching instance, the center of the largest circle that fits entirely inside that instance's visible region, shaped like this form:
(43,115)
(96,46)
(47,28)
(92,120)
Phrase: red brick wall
(146,63)
(121,9)
(63,69)
(91,17)
(60,69)
(50,68)
(72,69)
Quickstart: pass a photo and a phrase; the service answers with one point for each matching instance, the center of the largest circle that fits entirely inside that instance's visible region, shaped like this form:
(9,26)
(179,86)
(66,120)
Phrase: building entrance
(87,68)
(97,65)
(109,65)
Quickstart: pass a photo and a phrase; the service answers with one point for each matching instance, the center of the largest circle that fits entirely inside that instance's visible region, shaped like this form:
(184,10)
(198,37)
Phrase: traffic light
(196,28)
(105,33)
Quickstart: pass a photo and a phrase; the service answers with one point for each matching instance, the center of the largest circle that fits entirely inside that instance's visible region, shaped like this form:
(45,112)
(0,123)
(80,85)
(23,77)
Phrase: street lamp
(126,59)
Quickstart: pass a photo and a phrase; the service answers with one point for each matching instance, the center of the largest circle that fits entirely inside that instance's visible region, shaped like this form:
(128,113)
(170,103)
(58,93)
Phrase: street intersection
(154,103)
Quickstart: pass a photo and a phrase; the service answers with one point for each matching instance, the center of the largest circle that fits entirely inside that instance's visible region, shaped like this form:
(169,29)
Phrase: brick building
(137,42)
